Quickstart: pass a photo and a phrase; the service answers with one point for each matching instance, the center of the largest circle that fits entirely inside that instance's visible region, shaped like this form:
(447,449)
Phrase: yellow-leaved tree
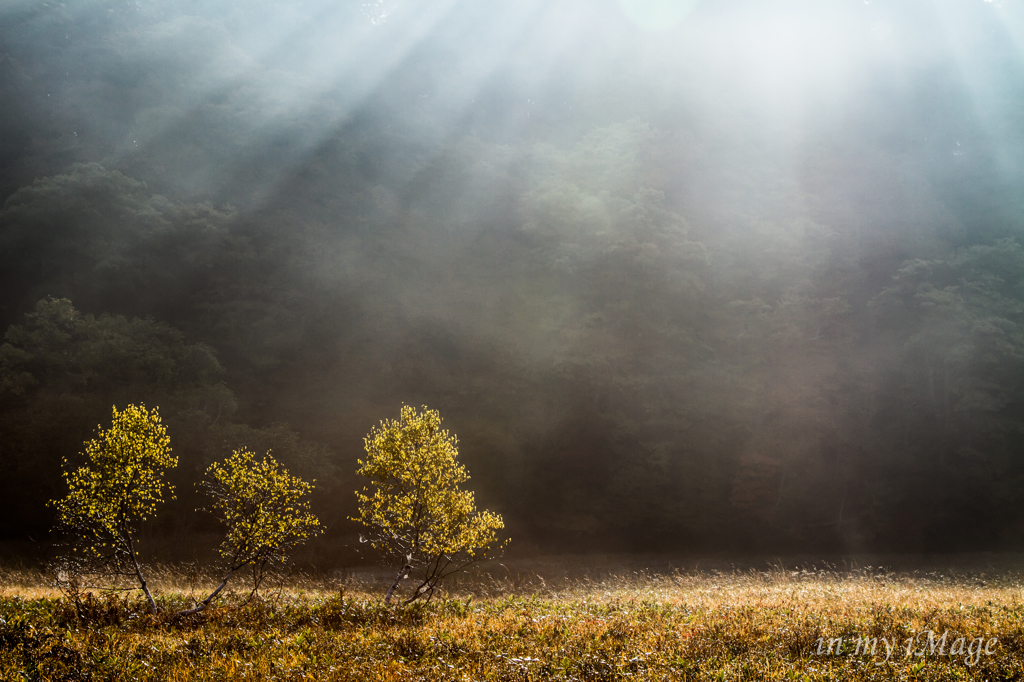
(117,489)
(265,511)
(416,511)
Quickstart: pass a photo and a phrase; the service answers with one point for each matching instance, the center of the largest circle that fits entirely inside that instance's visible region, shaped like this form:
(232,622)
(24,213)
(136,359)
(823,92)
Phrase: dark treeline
(752,282)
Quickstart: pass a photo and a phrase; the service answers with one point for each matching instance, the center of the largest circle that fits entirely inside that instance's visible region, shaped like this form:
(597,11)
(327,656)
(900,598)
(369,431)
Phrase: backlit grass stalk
(763,626)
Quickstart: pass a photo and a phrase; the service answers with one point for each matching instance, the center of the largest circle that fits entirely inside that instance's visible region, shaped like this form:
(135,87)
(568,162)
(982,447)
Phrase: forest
(705,276)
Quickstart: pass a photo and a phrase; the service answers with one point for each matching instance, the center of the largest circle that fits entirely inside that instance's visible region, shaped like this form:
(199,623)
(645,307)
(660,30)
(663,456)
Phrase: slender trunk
(433,577)
(209,600)
(401,576)
(425,588)
(138,572)
(213,595)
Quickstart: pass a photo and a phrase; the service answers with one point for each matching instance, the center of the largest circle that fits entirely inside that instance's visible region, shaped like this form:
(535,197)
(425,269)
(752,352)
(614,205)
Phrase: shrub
(117,489)
(416,512)
(265,511)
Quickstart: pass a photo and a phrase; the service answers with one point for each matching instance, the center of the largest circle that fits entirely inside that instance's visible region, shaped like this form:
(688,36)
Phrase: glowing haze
(678,272)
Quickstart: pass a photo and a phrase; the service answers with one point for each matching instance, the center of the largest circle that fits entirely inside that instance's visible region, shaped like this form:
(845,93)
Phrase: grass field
(567,619)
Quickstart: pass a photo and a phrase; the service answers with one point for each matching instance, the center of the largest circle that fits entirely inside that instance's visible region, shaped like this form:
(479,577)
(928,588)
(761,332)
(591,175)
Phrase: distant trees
(117,489)
(650,294)
(617,286)
(416,512)
(61,370)
(951,398)
(60,350)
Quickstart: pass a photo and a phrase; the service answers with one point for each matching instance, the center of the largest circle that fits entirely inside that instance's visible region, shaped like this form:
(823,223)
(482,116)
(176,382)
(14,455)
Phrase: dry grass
(530,621)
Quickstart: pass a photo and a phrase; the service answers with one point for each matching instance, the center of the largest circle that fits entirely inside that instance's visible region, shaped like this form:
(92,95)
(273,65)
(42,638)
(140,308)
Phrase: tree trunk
(401,576)
(138,573)
(425,588)
(206,602)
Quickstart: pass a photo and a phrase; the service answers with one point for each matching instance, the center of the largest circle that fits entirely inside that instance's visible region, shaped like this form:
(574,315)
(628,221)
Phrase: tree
(950,396)
(61,370)
(265,510)
(417,512)
(118,489)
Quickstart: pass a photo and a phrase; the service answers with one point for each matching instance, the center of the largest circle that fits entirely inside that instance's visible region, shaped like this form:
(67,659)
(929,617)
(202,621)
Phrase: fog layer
(706,274)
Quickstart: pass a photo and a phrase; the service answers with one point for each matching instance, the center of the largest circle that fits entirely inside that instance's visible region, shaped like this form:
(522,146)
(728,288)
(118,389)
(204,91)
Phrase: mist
(682,276)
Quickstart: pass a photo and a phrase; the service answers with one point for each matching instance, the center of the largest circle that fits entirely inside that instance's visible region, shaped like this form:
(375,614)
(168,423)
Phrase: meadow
(569,618)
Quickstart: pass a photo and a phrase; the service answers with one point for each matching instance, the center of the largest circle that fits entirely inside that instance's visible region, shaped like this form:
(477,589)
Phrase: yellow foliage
(263,506)
(121,484)
(416,509)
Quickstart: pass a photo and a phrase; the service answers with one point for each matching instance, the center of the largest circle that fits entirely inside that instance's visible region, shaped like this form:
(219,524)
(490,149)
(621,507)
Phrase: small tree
(266,513)
(417,513)
(117,489)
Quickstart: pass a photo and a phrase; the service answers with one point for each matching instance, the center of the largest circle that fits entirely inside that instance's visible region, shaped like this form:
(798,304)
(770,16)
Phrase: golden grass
(520,623)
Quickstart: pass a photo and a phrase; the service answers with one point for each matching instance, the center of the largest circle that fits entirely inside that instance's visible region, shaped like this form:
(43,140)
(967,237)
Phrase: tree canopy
(416,511)
(116,490)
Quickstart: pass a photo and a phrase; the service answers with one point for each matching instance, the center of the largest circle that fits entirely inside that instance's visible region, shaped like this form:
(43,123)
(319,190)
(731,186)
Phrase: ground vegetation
(775,624)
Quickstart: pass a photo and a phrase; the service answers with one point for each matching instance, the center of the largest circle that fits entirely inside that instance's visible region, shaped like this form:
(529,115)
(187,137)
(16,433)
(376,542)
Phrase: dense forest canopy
(690,275)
